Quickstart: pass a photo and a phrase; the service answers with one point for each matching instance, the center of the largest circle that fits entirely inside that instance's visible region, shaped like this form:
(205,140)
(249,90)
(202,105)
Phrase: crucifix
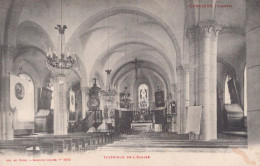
(20,70)
(135,62)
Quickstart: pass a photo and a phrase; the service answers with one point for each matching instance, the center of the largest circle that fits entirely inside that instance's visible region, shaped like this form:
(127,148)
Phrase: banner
(193,119)
(72,101)
(21,99)
(159,98)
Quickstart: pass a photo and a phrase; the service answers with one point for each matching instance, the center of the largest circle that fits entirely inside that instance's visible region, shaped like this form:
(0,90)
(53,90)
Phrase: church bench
(106,136)
(99,138)
(93,140)
(51,144)
(60,143)
(11,145)
(75,142)
(30,145)
(20,145)
(81,142)
(111,136)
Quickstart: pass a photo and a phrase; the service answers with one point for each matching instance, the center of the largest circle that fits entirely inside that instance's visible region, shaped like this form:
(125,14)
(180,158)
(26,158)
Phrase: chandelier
(60,62)
(109,92)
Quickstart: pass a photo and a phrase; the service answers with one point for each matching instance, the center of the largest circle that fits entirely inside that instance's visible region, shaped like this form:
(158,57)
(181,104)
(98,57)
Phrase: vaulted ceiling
(112,33)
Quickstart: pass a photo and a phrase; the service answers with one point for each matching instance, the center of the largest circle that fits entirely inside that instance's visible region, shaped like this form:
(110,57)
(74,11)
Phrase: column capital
(216,29)
(208,29)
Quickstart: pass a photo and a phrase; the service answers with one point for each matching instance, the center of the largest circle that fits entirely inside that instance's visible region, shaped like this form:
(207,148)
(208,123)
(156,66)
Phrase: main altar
(143,120)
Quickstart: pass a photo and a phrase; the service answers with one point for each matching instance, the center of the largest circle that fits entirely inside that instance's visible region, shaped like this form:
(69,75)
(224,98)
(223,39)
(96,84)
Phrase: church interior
(78,75)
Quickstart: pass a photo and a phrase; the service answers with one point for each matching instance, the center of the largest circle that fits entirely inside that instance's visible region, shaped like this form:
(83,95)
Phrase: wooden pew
(109,136)
(82,142)
(20,145)
(92,140)
(73,142)
(53,143)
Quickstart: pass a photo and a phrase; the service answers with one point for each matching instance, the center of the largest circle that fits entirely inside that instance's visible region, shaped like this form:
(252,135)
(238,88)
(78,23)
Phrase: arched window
(143,96)
(231,96)
(227,94)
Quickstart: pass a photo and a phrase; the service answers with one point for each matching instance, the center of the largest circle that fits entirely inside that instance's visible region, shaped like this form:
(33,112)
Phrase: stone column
(253,79)
(84,93)
(213,80)
(179,90)
(191,35)
(187,87)
(186,98)
(7,115)
(207,33)
(204,67)
(60,107)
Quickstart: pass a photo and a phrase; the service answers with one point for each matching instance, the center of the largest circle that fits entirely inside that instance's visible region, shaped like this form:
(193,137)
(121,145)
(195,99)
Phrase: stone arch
(11,28)
(129,10)
(37,31)
(122,78)
(12,20)
(160,51)
(117,75)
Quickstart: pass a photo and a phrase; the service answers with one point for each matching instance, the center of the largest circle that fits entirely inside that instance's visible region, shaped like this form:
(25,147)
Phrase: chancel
(78,75)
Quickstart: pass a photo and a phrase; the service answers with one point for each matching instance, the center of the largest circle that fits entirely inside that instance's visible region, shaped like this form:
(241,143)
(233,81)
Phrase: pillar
(187,87)
(186,98)
(253,79)
(6,123)
(193,69)
(213,80)
(60,107)
(84,93)
(178,91)
(207,79)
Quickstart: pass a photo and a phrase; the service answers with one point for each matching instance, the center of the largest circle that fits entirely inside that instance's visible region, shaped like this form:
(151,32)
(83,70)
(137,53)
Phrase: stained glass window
(143,96)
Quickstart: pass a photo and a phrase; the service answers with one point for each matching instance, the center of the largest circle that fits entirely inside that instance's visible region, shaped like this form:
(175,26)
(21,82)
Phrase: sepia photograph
(130,82)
